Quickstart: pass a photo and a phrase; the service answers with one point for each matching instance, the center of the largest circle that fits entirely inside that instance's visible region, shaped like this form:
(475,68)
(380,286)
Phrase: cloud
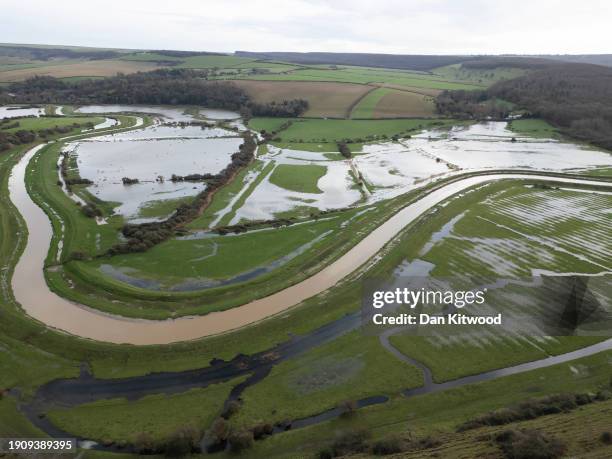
(389,26)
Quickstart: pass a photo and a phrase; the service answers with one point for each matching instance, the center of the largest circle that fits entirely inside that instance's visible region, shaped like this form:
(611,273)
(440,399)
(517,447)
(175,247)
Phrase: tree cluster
(158,87)
(344,150)
(287,108)
(191,177)
(577,98)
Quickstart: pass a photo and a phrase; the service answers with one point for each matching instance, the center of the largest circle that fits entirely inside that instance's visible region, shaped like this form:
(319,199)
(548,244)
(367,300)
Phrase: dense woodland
(577,98)
(44,54)
(158,87)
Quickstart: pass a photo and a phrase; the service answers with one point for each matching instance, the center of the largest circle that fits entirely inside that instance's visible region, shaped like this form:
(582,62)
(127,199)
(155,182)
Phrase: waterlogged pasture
(298,182)
(170,114)
(209,260)
(152,155)
(526,231)
(513,234)
(16,111)
(490,145)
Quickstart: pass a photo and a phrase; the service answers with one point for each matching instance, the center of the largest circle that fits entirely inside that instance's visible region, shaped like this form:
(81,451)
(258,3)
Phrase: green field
(366,106)
(312,131)
(240,189)
(439,414)
(48,123)
(534,128)
(124,421)
(364,75)
(302,179)
(217,257)
(496,234)
(350,368)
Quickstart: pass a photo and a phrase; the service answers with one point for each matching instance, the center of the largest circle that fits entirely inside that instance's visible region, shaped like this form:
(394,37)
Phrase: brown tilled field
(102,68)
(400,104)
(326,99)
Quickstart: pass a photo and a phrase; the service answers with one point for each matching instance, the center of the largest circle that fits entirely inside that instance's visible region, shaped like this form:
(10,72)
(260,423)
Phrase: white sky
(380,26)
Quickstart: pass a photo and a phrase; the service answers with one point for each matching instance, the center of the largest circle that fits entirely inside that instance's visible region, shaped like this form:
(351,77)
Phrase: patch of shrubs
(77,181)
(183,442)
(529,444)
(344,150)
(240,440)
(348,442)
(129,181)
(191,177)
(532,409)
(244,227)
(91,210)
(231,408)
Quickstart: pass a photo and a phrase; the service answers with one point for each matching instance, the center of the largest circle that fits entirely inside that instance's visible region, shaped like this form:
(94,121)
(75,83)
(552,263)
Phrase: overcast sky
(380,26)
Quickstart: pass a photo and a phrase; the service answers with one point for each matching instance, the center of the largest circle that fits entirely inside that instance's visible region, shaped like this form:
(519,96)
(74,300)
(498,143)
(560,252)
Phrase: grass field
(101,68)
(161,208)
(218,257)
(34,124)
(299,178)
(124,421)
(331,131)
(465,355)
(13,423)
(352,367)
(364,75)
(534,128)
(325,99)
(440,413)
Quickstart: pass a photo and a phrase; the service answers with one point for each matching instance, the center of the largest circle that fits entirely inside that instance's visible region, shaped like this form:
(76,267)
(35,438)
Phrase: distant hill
(424,62)
(394,61)
(598,59)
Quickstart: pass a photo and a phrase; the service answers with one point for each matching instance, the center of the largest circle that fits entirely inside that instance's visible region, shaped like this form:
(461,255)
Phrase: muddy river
(38,301)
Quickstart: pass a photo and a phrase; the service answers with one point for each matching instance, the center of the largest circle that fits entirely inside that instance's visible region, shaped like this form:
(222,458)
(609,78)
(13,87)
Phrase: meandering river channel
(39,302)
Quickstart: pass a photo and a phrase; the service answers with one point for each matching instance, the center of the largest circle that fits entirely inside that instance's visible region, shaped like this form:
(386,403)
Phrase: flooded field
(14,112)
(392,168)
(170,114)
(151,155)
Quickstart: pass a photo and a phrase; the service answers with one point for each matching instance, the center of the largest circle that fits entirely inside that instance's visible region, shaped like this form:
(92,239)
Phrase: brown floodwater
(40,303)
